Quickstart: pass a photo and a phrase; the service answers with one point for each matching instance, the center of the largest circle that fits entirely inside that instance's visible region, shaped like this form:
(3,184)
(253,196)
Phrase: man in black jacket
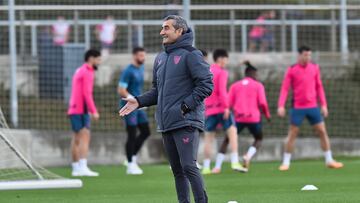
(181,82)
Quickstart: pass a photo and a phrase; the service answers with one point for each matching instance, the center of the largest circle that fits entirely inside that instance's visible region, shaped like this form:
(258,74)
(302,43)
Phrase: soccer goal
(18,172)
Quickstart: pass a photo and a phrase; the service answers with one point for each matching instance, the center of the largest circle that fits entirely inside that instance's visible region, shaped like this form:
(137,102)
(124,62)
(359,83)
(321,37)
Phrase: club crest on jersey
(177,59)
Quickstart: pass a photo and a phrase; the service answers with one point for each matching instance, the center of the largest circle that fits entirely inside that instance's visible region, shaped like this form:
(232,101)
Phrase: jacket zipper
(162,93)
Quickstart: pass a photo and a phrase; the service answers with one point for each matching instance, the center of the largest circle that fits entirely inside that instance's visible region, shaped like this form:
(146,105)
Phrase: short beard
(140,62)
(95,67)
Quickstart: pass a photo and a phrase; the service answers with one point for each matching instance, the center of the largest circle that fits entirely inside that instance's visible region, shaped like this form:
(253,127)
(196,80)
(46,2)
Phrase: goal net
(17,171)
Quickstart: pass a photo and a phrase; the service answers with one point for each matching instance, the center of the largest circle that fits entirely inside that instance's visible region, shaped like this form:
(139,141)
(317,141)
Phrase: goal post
(18,172)
(40,184)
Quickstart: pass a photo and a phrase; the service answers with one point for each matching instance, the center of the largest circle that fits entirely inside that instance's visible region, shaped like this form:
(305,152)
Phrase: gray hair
(179,22)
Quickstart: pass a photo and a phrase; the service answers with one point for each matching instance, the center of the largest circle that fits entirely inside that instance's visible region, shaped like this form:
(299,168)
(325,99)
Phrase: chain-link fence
(51,38)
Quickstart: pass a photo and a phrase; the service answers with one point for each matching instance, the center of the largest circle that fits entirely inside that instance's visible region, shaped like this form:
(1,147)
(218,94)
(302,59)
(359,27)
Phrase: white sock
(219,160)
(134,159)
(287,158)
(82,163)
(234,157)
(75,166)
(328,156)
(206,163)
(251,152)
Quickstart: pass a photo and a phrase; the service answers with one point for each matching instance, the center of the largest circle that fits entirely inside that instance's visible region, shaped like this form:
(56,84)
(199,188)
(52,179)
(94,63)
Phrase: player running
(217,112)
(247,99)
(130,85)
(304,79)
(81,107)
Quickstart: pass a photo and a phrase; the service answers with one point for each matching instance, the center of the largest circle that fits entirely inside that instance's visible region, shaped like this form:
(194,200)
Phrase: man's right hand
(130,106)
(281,112)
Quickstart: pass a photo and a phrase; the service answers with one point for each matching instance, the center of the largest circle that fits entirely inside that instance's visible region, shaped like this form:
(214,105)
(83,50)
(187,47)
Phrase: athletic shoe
(246,162)
(138,168)
(199,165)
(238,167)
(125,163)
(216,170)
(88,172)
(335,165)
(132,169)
(84,172)
(75,173)
(284,167)
(206,171)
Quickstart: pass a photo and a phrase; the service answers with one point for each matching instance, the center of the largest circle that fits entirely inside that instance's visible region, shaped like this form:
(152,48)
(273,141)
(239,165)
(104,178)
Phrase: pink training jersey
(60,30)
(258,31)
(306,85)
(217,102)
(81,100)
(246,98)
(107,31)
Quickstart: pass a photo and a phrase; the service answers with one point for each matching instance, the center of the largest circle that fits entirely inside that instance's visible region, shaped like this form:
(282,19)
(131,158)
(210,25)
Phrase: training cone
(309,187)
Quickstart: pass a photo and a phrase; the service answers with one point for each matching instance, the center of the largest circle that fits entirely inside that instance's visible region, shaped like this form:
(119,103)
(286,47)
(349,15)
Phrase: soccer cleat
(335,165)
(206,171)
(284,167)
(246,162)
(216,170)
(238,167)
(133,169)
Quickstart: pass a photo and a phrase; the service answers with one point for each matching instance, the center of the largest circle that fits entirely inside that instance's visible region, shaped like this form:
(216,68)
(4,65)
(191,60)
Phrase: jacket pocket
(173,115)
(197,114)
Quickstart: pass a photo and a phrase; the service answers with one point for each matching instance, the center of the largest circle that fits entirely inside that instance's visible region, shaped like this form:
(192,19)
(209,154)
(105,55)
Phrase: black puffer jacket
(180,75)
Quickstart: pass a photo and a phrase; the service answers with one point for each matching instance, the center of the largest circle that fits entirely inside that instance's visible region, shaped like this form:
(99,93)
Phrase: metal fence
(325,26)
(35,95)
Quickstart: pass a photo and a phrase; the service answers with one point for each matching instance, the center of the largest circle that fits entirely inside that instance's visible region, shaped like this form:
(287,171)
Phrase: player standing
(217,112)
(60,31)
(106,33)
(81,107)
(304,79)
(130,85)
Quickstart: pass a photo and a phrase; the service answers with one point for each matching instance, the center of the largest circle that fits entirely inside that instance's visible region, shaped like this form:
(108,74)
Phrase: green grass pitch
(264,183)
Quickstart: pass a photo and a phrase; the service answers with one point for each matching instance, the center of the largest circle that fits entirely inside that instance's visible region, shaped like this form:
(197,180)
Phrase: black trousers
(134,141)
(182,146)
